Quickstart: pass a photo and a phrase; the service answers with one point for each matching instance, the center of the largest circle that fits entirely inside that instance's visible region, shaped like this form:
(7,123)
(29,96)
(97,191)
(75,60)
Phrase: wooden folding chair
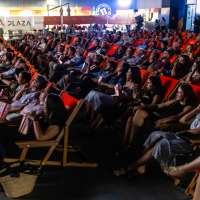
(73,106)
(112,49)
(138,42)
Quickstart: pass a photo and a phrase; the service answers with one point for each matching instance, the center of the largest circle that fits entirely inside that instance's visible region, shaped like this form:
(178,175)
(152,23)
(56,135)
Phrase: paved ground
(100,183)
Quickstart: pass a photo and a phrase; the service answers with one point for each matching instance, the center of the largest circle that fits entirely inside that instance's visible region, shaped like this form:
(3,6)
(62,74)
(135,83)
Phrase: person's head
(46,91)
(180,41)
(104,45)
(38,83)
(71,51)
(166,54)
(163,18)
(99,34)
(79,51)
(8,57)
(23,77)
(54,44)
(154,44)
(44,41)
(68,38)
(175,46)
(153,56)
(54,110)
(190,48)
(119,33)
(131,41)
(104,36)
(110,66)
(134,75)
(154,84)
(63,36)
(61,48)
(123,68)
(196,65)
(121,49)
(14,60)
(125,38)
(19,61)
(107,31)
(82,41)
(98,59)
(130,51)
(96,42)
(184,60)
(198,37)
(164,44)
(171,38)
(139,53)
(186,93)
(146,42)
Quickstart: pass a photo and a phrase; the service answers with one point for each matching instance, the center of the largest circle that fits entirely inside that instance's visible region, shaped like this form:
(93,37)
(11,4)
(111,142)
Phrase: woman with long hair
(149,117)
(43,129)
(194,75)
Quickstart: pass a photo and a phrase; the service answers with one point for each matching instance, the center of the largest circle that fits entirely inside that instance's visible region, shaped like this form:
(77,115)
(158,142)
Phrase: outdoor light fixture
(124,3)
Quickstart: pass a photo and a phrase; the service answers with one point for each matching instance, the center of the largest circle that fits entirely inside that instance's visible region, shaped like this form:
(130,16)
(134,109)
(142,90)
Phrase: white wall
(146,4)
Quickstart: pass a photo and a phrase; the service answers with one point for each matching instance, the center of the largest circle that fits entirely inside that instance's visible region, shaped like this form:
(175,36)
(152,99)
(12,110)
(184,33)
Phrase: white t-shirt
(42,45)
(163,23)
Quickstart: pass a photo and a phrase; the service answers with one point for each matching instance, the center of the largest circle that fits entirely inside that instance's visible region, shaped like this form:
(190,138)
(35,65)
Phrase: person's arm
(173,72)
(51,131)
(189,117)
(155,101)
(17,109)
(173,118)
(155,106)
(21,92)
(107,85)
(189,76)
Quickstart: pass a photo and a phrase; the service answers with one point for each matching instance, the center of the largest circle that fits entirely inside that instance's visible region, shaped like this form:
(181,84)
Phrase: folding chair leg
(23,154)
(48,155)
(65,145)
(190,190)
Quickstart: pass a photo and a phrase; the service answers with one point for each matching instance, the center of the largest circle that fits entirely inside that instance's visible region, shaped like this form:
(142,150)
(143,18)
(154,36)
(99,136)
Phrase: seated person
(21,63)
(119,53)
(181,67)
(95,47)
(7,61)
(108,71)
(175,49)
(109,114)
(144,45)
(149,117)
(162,64)
(163,146)
(153,45)
(163,47)
(34,107)
(136,59)
(194,75)
(103,48)
(45,129)
(22,78)
(152,59)
(28,93)
(61,69)
(189,52)
(129,53)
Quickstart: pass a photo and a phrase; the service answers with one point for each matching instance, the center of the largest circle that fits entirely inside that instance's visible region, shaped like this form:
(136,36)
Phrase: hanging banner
(100,19)
(38,23)
(52,20)
(72,19)
(115,19)
(127,19)
(16,23)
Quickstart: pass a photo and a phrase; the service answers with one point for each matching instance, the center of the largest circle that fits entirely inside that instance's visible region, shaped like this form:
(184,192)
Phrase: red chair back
(197,50)
(34,76)
(191,42)
(196,91)
(69,102)
(32,70)
(48,84)
(168,84)
(73,40)
(113,49)
(173,59)
(144,76)
(138,43)
(91,45)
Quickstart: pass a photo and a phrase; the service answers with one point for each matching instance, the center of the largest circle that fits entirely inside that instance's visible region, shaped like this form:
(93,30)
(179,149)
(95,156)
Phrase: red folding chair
(113,49)
(144,76)
(192,42)
(196,91)
(35,74)
(173,59)
(138,43)
(170,85)
(91,45)
(73,40)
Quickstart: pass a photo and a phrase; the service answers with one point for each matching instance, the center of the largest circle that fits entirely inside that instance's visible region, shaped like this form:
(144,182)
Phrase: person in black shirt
(163,47)
(43,129)
(175,49)
(197,24)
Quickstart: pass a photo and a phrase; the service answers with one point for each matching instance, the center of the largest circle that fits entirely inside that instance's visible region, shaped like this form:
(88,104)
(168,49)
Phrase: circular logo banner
(103,9)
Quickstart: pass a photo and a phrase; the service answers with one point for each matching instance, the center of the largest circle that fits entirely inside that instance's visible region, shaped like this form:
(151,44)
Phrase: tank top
(148,98)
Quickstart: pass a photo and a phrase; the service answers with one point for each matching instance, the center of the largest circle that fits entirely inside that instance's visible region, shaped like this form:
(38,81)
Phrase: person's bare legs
(26,51)
(127,133)
(139,165)
(88,109)
(139,122)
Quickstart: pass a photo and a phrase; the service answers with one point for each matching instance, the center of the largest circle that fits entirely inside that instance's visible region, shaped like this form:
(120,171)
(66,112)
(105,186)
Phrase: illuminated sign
(103,9)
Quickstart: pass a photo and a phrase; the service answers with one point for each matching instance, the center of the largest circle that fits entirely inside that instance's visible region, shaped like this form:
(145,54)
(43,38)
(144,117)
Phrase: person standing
(180,24)
(157,25)
(163,24)
(197,24)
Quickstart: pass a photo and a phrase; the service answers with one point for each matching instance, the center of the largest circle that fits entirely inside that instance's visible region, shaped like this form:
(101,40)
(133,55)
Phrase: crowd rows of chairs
(170,87)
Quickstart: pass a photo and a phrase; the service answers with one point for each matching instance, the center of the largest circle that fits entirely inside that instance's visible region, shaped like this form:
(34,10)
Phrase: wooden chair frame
(54,146)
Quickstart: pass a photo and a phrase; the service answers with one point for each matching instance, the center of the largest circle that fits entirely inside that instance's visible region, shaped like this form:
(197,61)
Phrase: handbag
(18,179)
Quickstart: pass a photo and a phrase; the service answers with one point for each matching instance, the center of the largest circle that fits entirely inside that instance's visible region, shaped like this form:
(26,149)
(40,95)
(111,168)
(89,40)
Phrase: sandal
(179,176)
(120,172)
